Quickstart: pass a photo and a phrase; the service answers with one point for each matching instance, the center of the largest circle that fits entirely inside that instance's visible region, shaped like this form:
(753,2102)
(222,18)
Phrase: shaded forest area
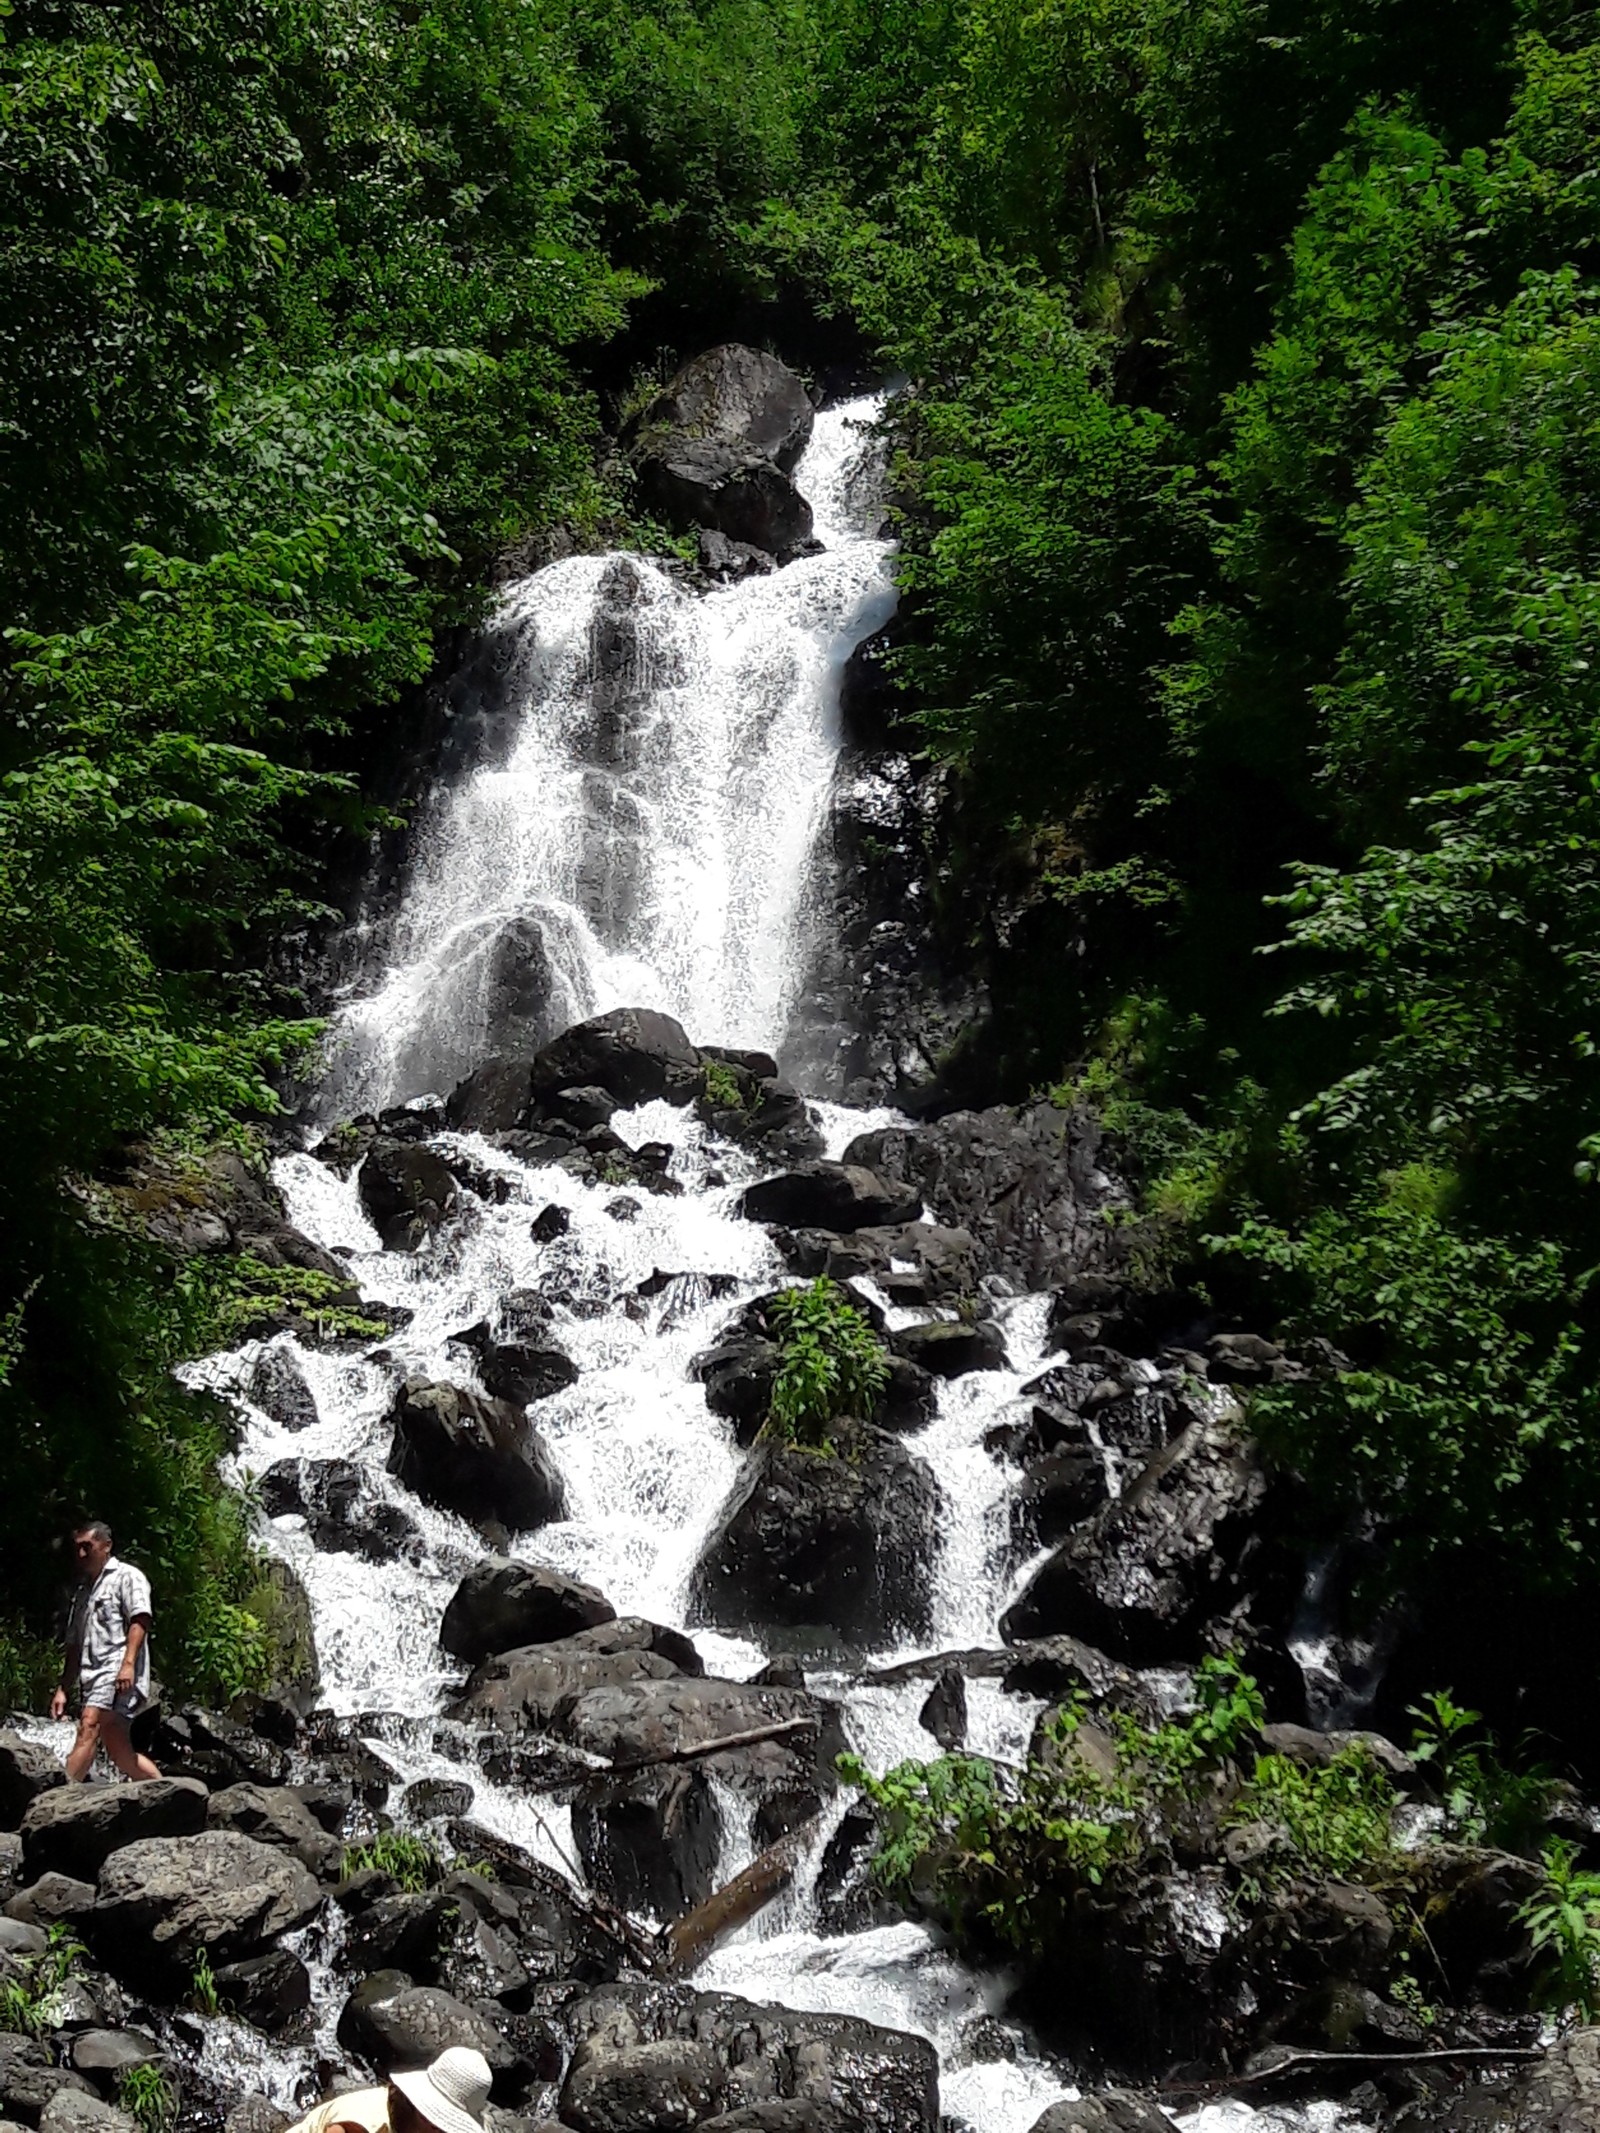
(1248,474)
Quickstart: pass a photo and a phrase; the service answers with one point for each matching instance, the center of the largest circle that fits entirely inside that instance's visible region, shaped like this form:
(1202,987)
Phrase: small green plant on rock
(251,1293)
(830,1363)
(1485,1799)
(720,1086)
(203,1994)
(32,2001)
(146,2095)
(1334,1819)
(1563,1922)
(410,1860)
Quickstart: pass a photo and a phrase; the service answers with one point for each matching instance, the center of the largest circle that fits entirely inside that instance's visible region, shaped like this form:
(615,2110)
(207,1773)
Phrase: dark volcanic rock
(846,1540)
(278,1387)
(26,1770)
(74,1830)
(407,1191)
(500,1605)
(716,449)
(492,1098)
(912,1262)
(651,1846)
(392,2023)
(1142,1576)
(1027,1184)
(836,1196)
(272,1814)
(1111,2112)
(270,1991)
(633,1053)
(479,1457)
(170,1897)
(949,1349)
(1058,1492)
(344,1514)
(661,2057)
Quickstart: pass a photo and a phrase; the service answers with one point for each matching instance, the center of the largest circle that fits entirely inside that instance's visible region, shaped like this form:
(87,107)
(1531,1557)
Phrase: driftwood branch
(780,1729)
(690,1939)
(1443,2055)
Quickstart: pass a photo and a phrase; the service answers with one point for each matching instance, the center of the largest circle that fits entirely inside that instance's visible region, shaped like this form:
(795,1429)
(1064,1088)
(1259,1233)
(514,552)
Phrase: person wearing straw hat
(446,2097)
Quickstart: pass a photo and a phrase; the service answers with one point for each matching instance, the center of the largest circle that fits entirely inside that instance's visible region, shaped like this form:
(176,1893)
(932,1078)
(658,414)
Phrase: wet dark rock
(68,2110)
(256,2114)
(492,1098)
(1140,1577)
(835,1196)
(479,1457)
(651,1846)
(51,1900)
(525,1374)
(10,1861)
(501,1605)
(106,2054)
(343,1512)
(633,1053)
(527,1690)
(493,1187)
(275,1815)
(430,1798)
(406,1930)
(1111,2112)
(26,1770)
(390,2022)
(1095,1308)
(727,561)
(1303,1744)
(944,1713)
(848,1898)
(75,1829)
(278,1387)
(407,1192)
(556,1932)
(765,1110)
(948,1348)
(271,1991)
(1028,1184)
(847,1540)
(738,1375)
(1058,1492)
(1247,1359)
(168,1898)
(715,450)
(652,2056)
(1558,2093)
(912,1262)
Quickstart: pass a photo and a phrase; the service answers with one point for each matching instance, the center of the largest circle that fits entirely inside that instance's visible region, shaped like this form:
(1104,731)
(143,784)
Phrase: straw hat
(452,2092)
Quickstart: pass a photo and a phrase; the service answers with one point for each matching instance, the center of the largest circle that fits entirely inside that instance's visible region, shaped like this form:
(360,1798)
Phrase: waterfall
(636,830)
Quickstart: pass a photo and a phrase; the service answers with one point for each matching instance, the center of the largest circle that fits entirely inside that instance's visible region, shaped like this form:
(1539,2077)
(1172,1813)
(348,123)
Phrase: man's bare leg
(81,1755)
(118,1744)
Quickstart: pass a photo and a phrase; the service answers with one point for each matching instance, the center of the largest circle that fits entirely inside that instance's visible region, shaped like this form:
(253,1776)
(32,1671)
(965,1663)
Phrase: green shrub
(1563,1922)
(32,2003)
(1485,1800)
(411,1860)
(719,1085)
(830,1363)
(146,2095)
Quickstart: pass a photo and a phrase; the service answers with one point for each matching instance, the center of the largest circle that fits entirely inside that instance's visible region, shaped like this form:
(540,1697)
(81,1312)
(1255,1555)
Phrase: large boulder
(492,1098)
(651,2057)
(1143,1575)
(911,1262)
(1028,1184)
(633,1053)
(1114,2111)
(170,1898)
(479,1457)
(716,450)
(272,1814)
(407,1192)
(73,1831)
(500,1605)
(844,1539)
(344,1513)
(534,1688)
(834,1196)
(26,1770)
(277,1385)
(949,1348)
(392,2023)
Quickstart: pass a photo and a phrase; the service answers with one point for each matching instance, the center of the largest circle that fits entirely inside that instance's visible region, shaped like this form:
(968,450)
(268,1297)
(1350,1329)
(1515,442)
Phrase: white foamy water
(640,835)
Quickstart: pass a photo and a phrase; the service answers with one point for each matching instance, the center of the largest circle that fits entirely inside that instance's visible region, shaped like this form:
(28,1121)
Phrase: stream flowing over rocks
(571,1620)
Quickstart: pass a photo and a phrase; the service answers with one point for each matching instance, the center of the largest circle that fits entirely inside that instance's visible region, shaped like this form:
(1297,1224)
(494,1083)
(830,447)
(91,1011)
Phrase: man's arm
(69,1681)
(138,1630)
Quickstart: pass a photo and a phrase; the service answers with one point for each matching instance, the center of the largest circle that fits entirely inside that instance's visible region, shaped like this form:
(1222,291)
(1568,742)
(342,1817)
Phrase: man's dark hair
(96,1528)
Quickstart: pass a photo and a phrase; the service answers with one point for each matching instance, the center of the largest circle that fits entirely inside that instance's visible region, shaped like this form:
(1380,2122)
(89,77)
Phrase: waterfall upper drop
(638,825)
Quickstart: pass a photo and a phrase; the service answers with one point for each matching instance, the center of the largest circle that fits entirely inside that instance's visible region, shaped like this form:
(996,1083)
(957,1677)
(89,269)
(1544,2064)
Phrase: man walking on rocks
(107,1656)
(446,2097)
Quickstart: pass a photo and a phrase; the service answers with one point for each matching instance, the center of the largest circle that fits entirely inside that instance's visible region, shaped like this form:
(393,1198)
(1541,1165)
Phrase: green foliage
(411,1860)
(32,2002)
(145,2093)
(251,1294)
(203,1994)
(1563,1922)
(1485,1800)
(719,1085)
(1335,1818)
(830,1363)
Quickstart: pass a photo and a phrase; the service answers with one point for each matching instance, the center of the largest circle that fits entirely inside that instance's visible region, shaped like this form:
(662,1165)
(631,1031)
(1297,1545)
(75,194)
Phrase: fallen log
(689,1940)
(778,1730)
(1291,2061)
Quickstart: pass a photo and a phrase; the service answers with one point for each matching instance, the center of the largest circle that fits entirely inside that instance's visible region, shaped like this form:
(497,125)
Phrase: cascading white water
(653,810)
(642,838)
